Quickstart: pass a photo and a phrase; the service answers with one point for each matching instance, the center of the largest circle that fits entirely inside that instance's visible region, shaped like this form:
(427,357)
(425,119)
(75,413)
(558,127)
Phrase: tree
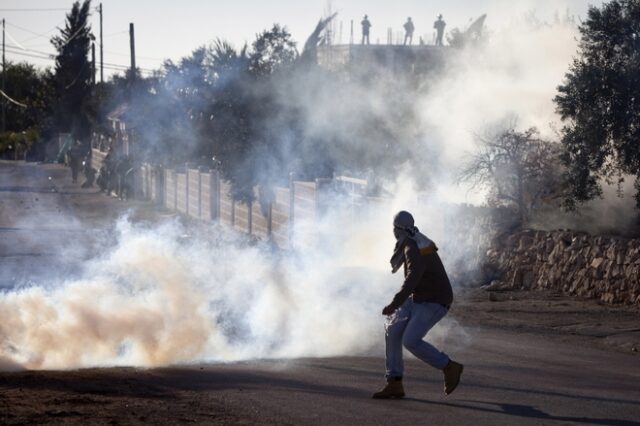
(73,72)
(32,91)
(243,119)
(28,112)
(227,124)
(272,50)
(520,169)
(599,102)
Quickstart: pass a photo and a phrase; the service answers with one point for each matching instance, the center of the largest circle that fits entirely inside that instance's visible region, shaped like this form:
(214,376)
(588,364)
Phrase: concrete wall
(281,217)
(201,194)
(209,195)
(150,184)
(97,158)
(182,199)
(242,217)
(261,215)
(170,189)
(226,205)
(193,193)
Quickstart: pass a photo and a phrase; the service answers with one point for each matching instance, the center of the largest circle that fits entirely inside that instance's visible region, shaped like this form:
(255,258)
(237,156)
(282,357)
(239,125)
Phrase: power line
(34,10)
(14,40)
(33,55)
(74,35)
(50,56)
(53,55)
(12,100)
(128,54)
(36,35)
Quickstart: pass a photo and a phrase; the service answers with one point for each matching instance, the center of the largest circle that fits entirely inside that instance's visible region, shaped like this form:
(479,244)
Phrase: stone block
(597,262)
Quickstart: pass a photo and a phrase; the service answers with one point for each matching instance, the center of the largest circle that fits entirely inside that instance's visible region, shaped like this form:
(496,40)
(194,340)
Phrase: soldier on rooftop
(366,25)
(408,31)
(439,26)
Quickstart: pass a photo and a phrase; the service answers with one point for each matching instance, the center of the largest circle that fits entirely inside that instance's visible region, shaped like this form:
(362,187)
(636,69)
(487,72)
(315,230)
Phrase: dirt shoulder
(554,315)
(112,396)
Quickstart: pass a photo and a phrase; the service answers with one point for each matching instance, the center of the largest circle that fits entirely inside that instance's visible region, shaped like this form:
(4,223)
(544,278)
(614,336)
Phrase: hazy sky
(172,29)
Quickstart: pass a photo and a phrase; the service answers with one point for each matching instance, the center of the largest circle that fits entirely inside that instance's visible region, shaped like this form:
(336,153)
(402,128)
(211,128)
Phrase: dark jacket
(424,278)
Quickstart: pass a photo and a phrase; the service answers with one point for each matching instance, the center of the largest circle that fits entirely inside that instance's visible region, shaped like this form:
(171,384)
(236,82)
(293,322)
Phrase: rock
(615,270)
(496,285)
(528,278)
(596,251)
(596,267)
(525,243)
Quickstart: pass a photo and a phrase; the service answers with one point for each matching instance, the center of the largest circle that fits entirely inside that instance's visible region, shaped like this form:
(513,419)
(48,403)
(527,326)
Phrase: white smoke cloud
(514,74)
(157,297)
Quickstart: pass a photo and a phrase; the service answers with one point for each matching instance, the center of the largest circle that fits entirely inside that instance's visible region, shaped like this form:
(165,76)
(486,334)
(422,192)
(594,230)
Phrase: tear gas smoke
(154,298)
(513,74)
(159,296)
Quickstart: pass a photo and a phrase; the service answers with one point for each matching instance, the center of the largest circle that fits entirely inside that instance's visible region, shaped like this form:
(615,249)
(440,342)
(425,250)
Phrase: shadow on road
(526,411)
(169,383)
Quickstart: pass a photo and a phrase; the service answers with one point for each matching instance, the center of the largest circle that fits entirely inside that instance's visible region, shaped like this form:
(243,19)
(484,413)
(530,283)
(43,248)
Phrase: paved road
(46,222)
(509,379)
(511,376)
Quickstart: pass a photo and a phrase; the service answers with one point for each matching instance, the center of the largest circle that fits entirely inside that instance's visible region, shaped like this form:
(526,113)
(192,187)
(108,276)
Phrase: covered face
(402,221)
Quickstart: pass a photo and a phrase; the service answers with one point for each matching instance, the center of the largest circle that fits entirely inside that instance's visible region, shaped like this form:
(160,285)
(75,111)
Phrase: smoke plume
(176,294)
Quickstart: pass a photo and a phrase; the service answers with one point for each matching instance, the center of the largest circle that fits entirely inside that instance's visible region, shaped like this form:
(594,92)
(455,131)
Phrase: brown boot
(393,389)
(452,373)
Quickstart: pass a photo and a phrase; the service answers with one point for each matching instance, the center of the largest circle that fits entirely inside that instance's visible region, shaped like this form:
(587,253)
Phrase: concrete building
(359,59)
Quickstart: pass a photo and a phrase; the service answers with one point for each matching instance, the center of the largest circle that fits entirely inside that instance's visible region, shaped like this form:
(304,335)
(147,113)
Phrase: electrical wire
(31,51)
(19,45)
(137,57)
(113,67)
(14,49)
(36,35)
(12,100)
(34,10)
(72,37)
(22,53)
(14,40)
(30,31)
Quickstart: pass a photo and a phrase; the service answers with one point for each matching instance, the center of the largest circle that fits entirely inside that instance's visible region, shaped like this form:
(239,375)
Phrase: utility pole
(101,56)
(132,42)
(4,77)
(351,35)
(93,63)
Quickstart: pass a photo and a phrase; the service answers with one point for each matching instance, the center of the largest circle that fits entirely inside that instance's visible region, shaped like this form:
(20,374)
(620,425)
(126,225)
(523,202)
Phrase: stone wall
(604,268)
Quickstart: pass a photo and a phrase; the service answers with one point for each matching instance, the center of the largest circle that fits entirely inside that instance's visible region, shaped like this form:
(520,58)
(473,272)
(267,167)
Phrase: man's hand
(388,310)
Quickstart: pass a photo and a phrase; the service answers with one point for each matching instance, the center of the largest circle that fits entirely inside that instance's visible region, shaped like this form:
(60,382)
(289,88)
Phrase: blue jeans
(407,326)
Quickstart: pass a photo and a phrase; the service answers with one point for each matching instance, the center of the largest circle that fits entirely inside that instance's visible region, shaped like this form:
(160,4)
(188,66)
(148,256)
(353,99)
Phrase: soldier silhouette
(439,26)
(366,25)
(408,31)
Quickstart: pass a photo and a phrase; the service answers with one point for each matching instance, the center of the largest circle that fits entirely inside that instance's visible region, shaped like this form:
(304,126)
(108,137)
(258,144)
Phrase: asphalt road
(512,375)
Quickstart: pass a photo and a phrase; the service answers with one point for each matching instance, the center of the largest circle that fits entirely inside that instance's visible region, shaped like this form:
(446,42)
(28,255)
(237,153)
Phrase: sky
(173,29)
